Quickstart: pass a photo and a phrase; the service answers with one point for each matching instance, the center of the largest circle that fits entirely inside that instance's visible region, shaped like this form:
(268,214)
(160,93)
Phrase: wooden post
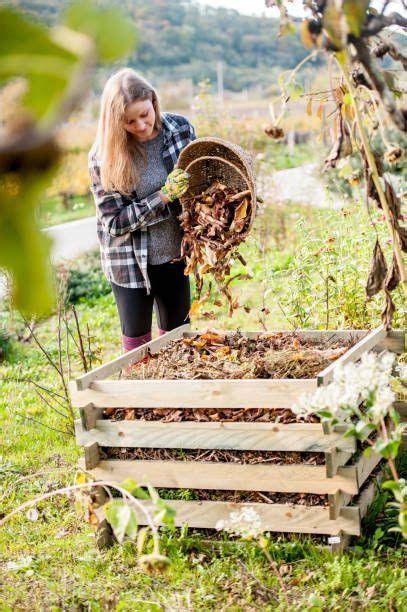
(92,455)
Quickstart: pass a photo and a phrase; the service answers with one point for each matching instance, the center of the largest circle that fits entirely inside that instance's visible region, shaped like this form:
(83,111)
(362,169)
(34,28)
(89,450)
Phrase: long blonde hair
(116,148)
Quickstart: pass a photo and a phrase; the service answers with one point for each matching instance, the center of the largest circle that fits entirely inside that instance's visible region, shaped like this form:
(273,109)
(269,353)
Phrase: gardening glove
(176,185)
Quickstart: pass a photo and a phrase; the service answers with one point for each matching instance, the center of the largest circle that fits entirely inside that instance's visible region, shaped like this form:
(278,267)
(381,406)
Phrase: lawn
(308,269)
(52,211)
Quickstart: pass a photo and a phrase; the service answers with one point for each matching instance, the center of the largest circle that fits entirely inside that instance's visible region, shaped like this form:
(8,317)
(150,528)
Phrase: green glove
(176,185)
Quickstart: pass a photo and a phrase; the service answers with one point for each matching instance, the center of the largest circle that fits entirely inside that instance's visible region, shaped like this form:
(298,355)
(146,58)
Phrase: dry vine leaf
(342,146)
(274,131)
(378,271)
(402,233)
(393,200)
(393,276)
(388,311)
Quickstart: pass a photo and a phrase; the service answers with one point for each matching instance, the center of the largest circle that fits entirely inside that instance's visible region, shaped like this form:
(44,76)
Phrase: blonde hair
(116,148)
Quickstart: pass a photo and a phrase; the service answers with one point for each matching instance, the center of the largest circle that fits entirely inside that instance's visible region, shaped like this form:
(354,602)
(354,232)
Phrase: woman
(136,191)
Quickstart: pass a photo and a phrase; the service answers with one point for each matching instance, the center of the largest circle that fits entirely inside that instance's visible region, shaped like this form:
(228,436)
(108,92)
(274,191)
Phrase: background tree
(356,37)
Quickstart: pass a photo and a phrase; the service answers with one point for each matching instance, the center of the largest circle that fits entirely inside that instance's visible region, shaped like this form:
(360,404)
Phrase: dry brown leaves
(213,355)
(215,222)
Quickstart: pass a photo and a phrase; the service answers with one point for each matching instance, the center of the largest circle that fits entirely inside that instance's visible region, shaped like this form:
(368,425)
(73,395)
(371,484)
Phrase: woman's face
(139,119)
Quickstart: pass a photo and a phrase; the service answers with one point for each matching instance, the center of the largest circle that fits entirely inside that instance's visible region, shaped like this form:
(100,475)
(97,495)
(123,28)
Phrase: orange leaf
(196,305)
(305,34)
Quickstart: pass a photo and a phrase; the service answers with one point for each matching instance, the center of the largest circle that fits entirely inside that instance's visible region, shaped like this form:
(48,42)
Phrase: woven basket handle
(224,161)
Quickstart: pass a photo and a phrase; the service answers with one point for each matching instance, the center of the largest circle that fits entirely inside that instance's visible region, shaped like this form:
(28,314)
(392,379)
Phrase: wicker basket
(207,159)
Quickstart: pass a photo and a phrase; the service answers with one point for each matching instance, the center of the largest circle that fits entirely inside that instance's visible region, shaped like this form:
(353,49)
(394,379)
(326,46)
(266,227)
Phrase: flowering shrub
(361,397)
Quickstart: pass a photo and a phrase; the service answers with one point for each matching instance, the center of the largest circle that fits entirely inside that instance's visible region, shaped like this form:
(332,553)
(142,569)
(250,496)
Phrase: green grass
(52,212)
(64,570)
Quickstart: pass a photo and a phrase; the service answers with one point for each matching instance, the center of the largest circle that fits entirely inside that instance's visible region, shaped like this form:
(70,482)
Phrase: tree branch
(376,78)
(376,23)
(385,47)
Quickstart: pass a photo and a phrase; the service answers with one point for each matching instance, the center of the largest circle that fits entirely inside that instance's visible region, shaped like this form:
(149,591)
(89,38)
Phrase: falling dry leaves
(215,222)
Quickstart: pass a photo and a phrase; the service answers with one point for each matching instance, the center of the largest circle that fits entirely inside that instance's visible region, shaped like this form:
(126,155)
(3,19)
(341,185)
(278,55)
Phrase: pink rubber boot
(129,344)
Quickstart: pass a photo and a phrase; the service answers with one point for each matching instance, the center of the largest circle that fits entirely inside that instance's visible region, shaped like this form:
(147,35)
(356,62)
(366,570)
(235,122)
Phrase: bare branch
(386,47)
(81,349)
(376,23)
(376,78)
(27,418)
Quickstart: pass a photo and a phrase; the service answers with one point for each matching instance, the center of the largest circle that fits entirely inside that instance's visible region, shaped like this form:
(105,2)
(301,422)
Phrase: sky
(249,7)
(258,7)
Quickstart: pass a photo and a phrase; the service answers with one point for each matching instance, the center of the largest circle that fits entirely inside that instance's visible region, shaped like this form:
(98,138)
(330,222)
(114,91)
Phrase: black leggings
(170,296)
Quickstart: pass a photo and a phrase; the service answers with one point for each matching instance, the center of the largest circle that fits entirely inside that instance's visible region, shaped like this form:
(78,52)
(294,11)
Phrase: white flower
(244,522)
(19,564)
(32,514)
(383,400)
(352,384)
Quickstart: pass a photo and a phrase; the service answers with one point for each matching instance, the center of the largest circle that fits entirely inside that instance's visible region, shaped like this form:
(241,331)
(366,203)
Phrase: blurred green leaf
(294,90)
(27,50)
(24,249)
(112,32)
(47,61)
(333,24)
(122,519)
(130,486)
(355,14)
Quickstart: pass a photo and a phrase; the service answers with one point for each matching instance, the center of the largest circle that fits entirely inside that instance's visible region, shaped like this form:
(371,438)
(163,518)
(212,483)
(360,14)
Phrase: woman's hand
(176,185)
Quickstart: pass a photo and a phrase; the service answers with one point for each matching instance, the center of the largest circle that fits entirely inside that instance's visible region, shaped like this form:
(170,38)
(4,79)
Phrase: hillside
(181,39)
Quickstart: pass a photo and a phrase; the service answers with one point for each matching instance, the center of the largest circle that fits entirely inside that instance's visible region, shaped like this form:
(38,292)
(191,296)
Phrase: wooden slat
(228,476)
(401,407)
(394,342)
(335,459)
(192,393)
(280,518)
(365,466)
(133,356)
(353,354)
(300,437)
(351,513)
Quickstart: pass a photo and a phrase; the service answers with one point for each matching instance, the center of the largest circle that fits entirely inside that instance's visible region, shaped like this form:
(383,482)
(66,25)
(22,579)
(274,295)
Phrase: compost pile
(213,355)
(215,222)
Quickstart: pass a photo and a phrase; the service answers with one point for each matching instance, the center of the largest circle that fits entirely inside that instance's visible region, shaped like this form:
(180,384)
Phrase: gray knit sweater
(164,238)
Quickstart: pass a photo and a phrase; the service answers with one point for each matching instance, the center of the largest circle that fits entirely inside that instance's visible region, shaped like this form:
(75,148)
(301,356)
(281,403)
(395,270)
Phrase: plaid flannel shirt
(122,221)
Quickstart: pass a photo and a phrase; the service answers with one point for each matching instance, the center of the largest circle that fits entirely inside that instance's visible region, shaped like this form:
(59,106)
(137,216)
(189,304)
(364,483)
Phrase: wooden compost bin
(341,478)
